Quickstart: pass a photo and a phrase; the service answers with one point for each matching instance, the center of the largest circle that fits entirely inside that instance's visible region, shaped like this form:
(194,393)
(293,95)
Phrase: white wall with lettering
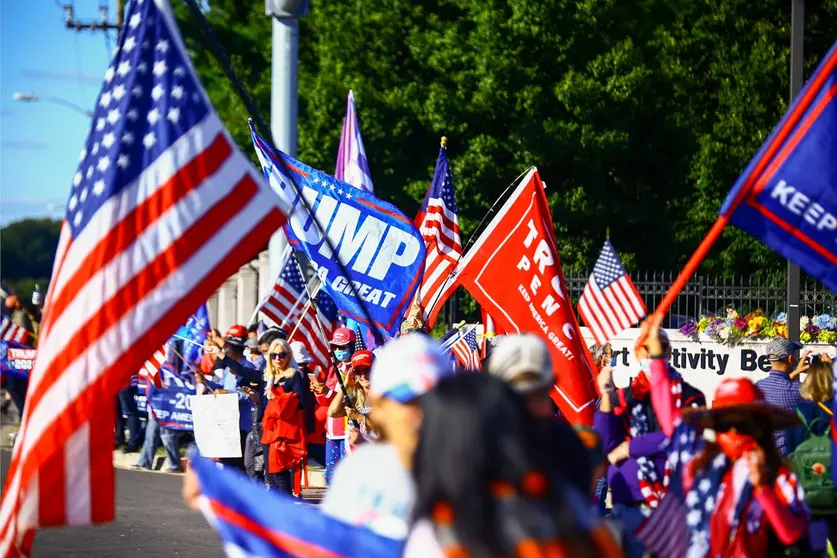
(703,363)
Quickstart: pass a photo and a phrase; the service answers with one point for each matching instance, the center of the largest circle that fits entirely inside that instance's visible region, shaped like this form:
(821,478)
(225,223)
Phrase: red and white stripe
(13,332)
(612,310)
(285,306)
(149,256)
(150,371)
(440,230)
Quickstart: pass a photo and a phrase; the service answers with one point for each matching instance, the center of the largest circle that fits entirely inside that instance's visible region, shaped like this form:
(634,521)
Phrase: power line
(104,24)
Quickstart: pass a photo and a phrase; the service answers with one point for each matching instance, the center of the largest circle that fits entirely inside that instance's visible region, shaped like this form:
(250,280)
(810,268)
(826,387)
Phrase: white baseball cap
(408,367)
(523,361)
(300,352)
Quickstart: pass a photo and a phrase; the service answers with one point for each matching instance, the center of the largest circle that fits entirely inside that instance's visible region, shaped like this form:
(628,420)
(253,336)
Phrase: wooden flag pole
(299,320)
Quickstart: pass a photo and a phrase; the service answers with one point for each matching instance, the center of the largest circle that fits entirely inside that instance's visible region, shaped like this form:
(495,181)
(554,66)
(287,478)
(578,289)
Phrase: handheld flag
(467,350)
(195,330)
(163,208)
(610,302)
(16,359)
(514,272)
(787,196)
(439,224)
(352,166)
(252,522)
(379,248)
(12,332)
(282,306)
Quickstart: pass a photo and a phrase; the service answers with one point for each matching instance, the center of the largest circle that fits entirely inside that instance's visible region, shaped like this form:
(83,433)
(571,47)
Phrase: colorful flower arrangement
(732,328)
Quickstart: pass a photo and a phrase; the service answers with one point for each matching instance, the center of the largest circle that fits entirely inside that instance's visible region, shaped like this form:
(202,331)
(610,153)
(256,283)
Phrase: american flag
(282,305)
(467,351)
(163,208)
(13,332)
(439,224)
(150,371)
(610,302)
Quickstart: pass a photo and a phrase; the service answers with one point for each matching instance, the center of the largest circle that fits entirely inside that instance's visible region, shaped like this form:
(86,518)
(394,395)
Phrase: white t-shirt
(422,542)
(371,488)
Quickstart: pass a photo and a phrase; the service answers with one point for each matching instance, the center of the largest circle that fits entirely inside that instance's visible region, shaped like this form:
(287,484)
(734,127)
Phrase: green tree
(639,114)
(27,248)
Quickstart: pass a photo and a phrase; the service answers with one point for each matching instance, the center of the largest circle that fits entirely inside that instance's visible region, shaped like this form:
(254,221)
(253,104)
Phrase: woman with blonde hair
(809,444)
(283,439)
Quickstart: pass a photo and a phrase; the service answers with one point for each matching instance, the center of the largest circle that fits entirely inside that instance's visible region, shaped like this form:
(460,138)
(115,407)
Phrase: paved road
(151,521)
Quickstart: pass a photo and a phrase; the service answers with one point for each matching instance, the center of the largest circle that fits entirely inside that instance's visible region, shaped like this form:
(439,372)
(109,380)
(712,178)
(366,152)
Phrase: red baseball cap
(362,359)
(236,334)
(343,336)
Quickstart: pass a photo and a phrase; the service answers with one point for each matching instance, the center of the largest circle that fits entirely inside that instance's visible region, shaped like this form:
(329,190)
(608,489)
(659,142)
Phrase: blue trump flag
(16,359)
(252,522)
(171,405)
(380,248)
(787,195)
(195,330)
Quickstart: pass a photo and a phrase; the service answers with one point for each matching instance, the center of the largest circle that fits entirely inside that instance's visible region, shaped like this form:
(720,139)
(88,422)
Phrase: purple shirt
(623,478)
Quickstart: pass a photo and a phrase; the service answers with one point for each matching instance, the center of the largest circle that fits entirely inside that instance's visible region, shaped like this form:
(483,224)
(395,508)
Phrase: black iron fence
(713,295)
(703,295)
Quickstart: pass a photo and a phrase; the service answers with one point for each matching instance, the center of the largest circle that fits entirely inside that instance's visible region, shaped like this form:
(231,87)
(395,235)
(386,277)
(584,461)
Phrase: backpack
(811,461)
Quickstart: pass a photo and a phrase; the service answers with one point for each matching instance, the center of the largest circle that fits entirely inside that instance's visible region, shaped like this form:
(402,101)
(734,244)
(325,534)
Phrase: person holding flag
(741,497)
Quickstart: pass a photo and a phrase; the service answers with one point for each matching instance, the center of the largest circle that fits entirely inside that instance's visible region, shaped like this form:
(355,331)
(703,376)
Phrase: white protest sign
(703,363)
(215,420)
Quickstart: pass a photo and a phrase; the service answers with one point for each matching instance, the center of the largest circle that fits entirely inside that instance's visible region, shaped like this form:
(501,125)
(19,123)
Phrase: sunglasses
(362,372)
(278,356)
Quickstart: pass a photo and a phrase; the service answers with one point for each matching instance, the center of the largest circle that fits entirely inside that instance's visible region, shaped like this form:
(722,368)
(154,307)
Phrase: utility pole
(102,25)
(796,60)
(284,103)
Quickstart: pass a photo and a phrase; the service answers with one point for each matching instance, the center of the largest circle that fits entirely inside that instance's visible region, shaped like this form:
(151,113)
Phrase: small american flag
(162,210)
(467,351)
(13,332)
(610,302)
(439,224)
(150,371)
(282,306)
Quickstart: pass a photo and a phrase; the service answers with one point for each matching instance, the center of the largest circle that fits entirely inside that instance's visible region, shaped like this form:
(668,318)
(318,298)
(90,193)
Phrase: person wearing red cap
(342,346)
(358,381)
(742,499)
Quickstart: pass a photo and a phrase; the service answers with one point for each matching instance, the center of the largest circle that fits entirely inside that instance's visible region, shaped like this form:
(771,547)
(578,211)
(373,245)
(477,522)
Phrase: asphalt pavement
(151,521)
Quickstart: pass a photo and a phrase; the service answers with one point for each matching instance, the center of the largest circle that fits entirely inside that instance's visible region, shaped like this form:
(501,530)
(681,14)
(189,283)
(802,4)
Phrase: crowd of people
(461,463)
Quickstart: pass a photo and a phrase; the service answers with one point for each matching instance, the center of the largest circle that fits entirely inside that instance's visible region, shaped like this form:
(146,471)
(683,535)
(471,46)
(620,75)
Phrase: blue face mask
(343,355)
(645,365)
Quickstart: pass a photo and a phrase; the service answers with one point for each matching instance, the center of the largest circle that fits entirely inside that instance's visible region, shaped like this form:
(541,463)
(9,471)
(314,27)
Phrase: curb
(316,475)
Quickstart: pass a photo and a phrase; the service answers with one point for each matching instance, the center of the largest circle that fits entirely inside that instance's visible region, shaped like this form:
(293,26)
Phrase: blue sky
(40,142)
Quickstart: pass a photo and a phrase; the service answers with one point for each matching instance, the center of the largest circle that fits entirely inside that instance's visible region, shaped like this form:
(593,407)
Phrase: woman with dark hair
(742,499)
(485,488)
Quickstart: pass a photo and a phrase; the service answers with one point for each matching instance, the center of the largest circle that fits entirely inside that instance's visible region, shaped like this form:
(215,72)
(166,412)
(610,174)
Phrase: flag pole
(346,399)
(224,60)
(473,238)
(691,266)
(299,321)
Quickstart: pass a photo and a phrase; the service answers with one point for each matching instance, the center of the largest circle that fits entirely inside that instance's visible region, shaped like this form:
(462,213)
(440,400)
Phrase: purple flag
(352,166)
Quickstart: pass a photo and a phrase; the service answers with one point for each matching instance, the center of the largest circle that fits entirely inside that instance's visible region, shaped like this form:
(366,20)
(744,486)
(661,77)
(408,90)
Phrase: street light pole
(796,61)
(33,98)
(284,104)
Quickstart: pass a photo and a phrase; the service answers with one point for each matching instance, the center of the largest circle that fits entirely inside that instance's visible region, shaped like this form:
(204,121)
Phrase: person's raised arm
(662,399)
(335,408)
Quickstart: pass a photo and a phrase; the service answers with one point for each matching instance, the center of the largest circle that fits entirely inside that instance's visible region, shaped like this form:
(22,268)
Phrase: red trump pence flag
(514,272)
(162,210)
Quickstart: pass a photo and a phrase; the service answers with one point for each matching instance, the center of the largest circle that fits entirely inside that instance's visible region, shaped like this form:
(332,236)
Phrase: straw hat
(739,401)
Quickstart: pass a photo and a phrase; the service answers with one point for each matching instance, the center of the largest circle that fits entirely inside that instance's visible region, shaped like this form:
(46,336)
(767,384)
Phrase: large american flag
(467,351)
(162,210)
(13,332)
(285,304)
(610,302)
(439,224)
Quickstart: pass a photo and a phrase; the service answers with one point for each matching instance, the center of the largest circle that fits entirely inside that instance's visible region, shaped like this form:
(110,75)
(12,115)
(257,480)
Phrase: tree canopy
(639,114)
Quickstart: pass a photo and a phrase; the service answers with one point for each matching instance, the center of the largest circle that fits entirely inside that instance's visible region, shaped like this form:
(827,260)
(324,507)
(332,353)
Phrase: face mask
(645,365)
(734,444)
(343,355)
